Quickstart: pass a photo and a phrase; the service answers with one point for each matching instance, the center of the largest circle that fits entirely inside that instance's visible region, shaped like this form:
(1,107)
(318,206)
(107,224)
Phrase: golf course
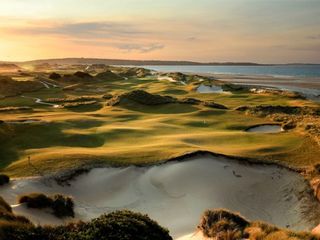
(142,138)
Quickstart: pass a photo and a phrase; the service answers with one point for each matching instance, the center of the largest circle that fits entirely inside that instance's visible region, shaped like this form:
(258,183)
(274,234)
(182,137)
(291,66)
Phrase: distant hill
(90,61)
(10,87)
(8,67)
(128,62)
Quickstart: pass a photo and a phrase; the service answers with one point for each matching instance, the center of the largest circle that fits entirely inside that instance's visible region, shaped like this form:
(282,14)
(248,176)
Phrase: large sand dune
(177,193)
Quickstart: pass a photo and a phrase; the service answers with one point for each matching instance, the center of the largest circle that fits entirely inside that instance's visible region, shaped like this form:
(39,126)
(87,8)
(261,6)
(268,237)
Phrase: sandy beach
(309,87)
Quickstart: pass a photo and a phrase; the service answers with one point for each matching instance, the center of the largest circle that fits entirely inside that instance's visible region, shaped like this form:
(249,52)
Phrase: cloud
(83,29)
(127,47)
(143,48)
(303,48)
(191,39)
(314,37)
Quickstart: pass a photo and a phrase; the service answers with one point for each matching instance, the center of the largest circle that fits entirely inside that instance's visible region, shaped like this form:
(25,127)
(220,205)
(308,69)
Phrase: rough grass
(222,224)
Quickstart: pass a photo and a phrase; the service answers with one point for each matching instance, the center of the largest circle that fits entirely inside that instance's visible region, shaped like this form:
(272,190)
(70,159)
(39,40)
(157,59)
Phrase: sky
(263,31)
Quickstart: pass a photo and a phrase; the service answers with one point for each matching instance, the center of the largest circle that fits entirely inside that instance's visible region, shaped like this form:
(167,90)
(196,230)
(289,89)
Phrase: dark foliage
(36,200)
(4,179)
(54,76)
(120,225)
(215,223)
(62,206)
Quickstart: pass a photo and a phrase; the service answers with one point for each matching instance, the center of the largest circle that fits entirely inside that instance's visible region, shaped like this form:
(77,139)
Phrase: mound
(177,76)
(54,76)
(8,217)
(218,223)
(221,224)
(145,98)
(141,97)
(212,104)
(10,87)
(261,90)
(42,67)
(9,67)
(77,77)
(82,75)
(133,72)
(108,75)
(264,110)
(96,67)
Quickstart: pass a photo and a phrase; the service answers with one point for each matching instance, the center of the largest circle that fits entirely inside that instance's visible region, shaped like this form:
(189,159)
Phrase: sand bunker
(210,89)
(38,100)
(176,194)
(266,128)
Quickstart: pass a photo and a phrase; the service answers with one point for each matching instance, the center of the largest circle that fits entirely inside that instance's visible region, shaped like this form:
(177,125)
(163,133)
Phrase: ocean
(304,79)
(277,70)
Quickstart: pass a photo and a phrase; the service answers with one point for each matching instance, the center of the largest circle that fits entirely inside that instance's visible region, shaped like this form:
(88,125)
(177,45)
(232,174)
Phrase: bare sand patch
(176,193)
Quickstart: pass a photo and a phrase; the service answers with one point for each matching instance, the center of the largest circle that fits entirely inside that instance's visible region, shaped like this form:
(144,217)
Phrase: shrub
(124,225)
(62,206)
(218,223)
(4,179)
(36,200)
(54,76)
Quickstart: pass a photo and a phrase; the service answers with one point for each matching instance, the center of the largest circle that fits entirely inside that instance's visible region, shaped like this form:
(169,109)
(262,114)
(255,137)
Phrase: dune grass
(223,224)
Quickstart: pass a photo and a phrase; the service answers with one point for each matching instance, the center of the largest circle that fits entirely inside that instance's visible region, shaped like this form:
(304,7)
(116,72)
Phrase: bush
(54,76)
(120,225)
(4,179)
(219,223)
(62,206)
(36,200)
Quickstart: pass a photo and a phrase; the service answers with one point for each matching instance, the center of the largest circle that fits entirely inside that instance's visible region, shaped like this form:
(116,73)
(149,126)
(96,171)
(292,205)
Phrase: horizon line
(157,60)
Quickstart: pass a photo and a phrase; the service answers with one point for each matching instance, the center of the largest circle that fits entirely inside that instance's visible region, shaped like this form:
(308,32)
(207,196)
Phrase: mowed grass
(139,134)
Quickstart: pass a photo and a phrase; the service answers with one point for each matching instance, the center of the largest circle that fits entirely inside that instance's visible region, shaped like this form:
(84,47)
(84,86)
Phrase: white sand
(170,79)
(211,89)
(39,100)
(177,193)
(266,128)
(193,236)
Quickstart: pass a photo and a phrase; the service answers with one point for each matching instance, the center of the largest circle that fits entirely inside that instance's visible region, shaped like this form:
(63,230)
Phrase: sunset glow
(206,30)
